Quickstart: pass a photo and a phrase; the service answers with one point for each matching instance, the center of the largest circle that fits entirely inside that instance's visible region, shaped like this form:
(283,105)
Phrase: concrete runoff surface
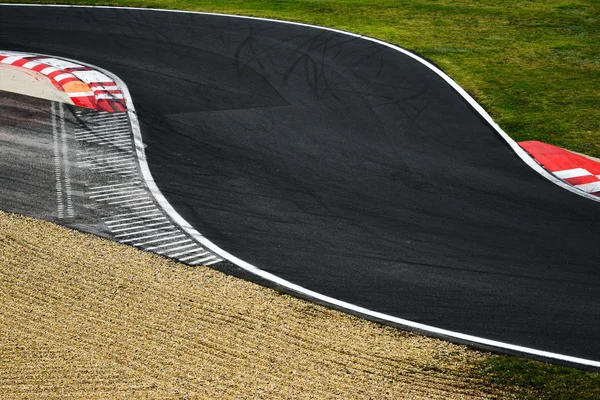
(83,317)
(345,167)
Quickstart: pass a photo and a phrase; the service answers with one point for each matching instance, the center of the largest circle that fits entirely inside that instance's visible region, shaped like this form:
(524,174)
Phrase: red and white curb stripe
(574,169)
(85,86)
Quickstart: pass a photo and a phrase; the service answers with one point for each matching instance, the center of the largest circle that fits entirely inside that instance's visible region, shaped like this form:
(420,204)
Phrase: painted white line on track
(177,248)
(169,244)
(196,250)
(139,145)
(152,214)
(134,201)
(137,222)
(65,162)
(172,232)
(115,191)
(195,256)
(103,197)
(160,240)
(114,185)
(140,206)
(133,228)
(201,260)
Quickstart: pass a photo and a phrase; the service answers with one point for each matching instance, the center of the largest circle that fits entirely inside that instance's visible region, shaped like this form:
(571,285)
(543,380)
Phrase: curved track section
(347,167)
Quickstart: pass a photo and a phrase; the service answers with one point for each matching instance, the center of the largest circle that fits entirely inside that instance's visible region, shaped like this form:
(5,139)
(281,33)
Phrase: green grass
(534,65)
(535,380)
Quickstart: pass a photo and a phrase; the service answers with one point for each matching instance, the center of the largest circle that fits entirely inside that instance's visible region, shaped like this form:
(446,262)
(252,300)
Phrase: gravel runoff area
(83,317)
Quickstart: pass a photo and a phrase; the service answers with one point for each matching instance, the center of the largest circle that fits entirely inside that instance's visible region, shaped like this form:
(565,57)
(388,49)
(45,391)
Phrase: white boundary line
(292,286)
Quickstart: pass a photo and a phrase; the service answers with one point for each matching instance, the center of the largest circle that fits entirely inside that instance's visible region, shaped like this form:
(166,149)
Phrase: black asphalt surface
(345,167)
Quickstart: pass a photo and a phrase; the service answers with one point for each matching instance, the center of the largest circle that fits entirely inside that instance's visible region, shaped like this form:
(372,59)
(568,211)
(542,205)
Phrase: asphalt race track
(345,167)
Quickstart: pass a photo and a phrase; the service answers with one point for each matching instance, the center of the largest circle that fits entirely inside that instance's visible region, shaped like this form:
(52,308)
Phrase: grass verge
(534,65)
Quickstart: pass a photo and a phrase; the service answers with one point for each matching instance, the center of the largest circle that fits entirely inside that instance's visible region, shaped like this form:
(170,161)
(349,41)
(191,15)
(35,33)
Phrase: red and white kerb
(85,86)
(578,171)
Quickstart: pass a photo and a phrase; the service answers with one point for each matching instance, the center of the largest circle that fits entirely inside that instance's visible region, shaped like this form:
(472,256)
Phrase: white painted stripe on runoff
(140,232)
(160,240)
(114,185)
(66,164)
(137,223)
(133,201)
(122,189)
(177,248)
(181,253)
(172,232)
(103,197)
(187,240)
(140,227)
(138,215)
(195,256)
(140,206)
(572,173)
(139,144)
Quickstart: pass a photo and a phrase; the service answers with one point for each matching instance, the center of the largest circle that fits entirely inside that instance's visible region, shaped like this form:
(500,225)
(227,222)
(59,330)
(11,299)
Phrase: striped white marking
(111,196)
(140,206)
(159,240)
(103,127)
(201,260)
(194,255)
(132,228)
(66,165)
(572,173)
(170,244)
(130,201)
(167,251)
(115,185)
(107,136)
(138,215)
(172,232)
(114,190)
(124,169)
(140,232)
(60,211)
(195,250)
(137,223)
